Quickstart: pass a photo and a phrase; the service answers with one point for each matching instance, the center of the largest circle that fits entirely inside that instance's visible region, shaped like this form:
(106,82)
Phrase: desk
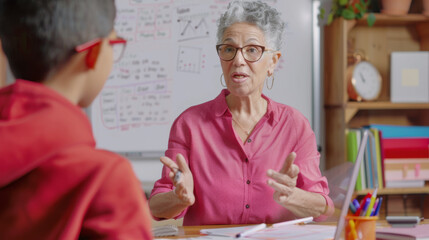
(194,231)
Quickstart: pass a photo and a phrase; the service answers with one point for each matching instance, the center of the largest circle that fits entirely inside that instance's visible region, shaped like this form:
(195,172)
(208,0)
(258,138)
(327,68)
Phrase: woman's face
(245,78)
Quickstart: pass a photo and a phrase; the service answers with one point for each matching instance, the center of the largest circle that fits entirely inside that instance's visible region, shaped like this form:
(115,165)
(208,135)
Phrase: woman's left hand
(300,202)
(284,181)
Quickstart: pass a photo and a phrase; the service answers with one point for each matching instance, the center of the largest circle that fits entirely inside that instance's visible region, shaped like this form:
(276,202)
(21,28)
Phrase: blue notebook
(396,131)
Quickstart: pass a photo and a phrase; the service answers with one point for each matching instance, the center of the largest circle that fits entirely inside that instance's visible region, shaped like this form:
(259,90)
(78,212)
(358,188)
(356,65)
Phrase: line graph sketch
(192,23)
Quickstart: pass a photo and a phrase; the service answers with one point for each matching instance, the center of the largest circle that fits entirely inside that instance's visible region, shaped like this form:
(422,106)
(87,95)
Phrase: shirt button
(247,206)
(249,140)
(248,181)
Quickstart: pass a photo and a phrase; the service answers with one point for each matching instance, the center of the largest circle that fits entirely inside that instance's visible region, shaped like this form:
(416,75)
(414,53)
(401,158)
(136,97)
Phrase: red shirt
(229,176)
(54,184)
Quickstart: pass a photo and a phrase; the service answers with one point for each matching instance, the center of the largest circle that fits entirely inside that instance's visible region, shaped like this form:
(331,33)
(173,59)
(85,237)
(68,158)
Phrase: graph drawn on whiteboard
(192,23)
(190,59)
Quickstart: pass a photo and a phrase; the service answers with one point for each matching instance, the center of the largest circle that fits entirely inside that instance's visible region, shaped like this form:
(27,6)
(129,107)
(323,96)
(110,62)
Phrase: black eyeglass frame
(241,49)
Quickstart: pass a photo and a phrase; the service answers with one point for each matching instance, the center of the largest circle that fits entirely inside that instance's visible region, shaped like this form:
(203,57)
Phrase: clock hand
(363,78)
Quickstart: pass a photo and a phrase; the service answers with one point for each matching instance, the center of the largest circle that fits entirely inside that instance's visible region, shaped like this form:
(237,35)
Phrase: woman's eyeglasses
(251,53)
(117,44)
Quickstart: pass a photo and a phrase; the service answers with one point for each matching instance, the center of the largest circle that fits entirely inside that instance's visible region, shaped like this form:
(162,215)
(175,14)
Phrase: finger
(280,198)
(288,163)
(282,189)
(294,171)
(281,178)
(181,162)
(169,163)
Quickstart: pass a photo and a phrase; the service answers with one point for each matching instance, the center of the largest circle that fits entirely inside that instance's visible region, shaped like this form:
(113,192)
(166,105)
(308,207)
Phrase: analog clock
(364,82)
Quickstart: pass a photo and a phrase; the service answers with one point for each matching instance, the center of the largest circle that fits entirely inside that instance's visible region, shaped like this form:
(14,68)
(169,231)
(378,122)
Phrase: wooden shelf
(396,191)
(383,19)
(341,39)
(386,105)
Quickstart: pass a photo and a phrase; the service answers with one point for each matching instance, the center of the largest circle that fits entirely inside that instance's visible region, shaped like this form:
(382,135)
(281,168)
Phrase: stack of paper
(420,232)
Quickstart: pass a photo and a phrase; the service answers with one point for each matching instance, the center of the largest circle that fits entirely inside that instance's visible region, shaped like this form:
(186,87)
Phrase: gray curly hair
(258,13)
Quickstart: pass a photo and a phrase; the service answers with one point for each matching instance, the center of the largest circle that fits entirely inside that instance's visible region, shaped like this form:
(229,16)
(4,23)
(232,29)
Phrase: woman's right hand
(184,184)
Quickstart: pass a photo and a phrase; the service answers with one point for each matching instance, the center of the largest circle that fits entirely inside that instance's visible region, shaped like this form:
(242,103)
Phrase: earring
(272,82)
(221,83)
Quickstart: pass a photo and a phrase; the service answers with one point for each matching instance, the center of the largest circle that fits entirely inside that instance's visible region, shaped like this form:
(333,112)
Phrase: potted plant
(395,7)
(348,9)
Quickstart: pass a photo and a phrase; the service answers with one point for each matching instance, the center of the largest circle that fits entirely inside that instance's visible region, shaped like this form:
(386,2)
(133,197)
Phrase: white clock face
(366,80)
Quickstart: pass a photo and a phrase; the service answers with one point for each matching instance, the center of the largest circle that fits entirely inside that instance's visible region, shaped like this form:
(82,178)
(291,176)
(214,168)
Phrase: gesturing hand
(284,181)
(184,183)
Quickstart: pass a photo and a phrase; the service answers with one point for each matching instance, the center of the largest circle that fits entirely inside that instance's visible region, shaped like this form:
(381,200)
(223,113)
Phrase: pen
(177,175)
(301,220)
(378,206)
(352,208)
(362,203)
(371,203)
(356,203)
(251,230)
(375,207)
(365,207)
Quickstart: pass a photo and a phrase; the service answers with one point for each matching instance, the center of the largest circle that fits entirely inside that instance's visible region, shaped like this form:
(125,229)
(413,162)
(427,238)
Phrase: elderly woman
(242,158)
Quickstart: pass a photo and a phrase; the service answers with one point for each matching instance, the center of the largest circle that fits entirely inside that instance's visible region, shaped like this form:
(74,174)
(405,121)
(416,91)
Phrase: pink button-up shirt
(230,182)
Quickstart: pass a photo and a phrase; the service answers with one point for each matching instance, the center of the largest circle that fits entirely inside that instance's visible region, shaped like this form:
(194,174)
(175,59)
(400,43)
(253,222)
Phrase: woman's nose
(239,58)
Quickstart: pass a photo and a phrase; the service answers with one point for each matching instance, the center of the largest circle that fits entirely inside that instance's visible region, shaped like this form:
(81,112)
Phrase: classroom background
(170,64)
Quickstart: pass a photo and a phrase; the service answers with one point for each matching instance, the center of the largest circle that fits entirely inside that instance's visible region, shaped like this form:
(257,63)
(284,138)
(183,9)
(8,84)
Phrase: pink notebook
(420,232)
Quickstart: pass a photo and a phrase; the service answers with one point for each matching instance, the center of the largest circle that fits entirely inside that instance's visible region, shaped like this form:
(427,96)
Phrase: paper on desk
(227,232)
(301,232)
(206,238)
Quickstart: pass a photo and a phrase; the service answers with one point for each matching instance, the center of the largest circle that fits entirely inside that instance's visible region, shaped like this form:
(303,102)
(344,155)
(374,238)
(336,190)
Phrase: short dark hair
(39,36)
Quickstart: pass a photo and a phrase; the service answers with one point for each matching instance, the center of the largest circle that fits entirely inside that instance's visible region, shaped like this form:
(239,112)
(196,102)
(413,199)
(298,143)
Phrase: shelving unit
(342,39)
(2,69)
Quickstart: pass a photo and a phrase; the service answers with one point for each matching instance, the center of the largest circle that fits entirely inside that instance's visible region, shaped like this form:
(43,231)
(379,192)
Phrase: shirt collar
(221,108)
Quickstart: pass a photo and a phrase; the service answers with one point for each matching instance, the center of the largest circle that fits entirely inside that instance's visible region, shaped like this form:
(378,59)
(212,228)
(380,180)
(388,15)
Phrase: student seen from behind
(54,183)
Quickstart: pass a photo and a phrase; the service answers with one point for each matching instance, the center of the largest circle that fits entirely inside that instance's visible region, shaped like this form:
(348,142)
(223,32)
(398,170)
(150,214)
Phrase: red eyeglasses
(118,46)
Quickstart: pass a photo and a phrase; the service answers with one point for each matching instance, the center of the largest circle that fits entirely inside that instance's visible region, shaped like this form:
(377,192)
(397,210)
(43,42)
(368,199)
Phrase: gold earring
(272,82)
(223,85)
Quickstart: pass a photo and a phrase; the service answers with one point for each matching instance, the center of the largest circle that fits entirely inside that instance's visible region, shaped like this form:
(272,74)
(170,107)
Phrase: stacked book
(396,156)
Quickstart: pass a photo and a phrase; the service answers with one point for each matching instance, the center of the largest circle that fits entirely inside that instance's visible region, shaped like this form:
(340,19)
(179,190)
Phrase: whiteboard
(170,64)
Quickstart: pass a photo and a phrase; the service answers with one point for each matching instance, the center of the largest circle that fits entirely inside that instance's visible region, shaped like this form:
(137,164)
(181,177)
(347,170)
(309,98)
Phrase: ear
(274,60)
(92,56)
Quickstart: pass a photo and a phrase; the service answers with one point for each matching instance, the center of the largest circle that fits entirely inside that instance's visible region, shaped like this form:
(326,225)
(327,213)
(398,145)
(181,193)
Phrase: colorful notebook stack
(397,156)
(371,173)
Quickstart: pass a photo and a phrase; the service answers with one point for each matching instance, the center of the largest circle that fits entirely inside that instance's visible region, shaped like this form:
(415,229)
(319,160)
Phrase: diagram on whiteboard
(133,106)
(139,95)
(154,22)
(190,59)
(192,23)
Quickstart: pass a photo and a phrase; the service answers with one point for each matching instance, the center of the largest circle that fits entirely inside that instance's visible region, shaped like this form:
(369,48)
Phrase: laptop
(351,186)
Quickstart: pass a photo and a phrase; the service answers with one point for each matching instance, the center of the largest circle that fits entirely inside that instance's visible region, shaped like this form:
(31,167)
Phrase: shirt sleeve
(119,209)
(177,143)
(307,159)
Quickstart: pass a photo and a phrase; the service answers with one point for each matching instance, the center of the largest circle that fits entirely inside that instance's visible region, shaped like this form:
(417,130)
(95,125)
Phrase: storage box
(409,77)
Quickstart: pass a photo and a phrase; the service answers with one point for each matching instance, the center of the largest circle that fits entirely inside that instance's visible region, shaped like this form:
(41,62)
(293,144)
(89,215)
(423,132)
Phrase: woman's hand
(300,202)
(183,181)
(284,181)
